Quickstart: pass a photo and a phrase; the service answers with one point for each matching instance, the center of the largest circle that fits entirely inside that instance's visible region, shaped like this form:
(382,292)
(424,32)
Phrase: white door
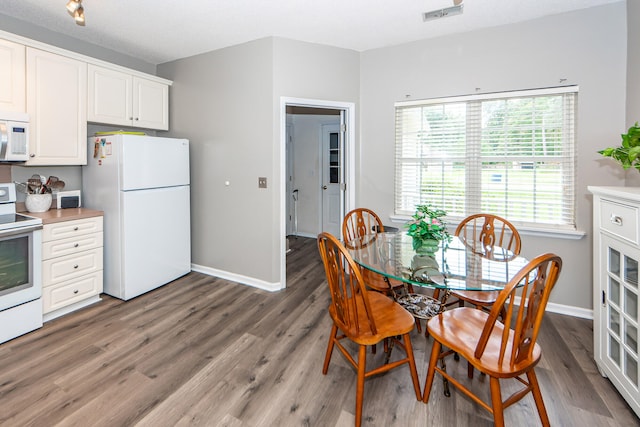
(332,156)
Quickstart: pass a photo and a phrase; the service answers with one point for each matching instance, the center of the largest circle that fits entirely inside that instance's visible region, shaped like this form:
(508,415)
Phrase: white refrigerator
(142,185)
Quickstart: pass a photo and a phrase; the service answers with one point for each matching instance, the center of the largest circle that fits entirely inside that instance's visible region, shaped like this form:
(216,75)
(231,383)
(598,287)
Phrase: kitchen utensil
(34,184)
(21,187)
(57,185)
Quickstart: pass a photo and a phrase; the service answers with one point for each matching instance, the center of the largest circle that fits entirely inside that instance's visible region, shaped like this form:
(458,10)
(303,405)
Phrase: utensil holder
(38,202)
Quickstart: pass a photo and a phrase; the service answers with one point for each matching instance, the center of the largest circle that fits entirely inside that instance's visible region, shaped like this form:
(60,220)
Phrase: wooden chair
(484,232)
(362,221)
(493,348)
(363,317)
(358,223)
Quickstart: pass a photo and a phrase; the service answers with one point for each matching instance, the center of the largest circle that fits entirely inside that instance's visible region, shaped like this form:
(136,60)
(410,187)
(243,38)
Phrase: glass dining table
(458,265)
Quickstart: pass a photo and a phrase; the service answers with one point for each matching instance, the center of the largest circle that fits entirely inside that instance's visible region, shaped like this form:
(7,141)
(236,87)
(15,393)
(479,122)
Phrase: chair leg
(412,365)
(431,370)
(362,361)
(332,341)
(537,397)
(469,370)
(418,326)
(496,403)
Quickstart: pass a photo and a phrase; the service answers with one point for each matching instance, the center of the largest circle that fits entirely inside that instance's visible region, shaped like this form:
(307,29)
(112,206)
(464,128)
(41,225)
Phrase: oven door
(20,266)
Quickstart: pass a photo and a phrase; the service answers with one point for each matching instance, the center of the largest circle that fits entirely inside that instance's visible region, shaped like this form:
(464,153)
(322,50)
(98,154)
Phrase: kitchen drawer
(60,269)
(72,291)
(77,227)
(71,245)
(619,219)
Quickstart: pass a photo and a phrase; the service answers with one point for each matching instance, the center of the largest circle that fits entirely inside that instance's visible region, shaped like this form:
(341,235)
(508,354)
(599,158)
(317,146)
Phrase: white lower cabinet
(616,301)
(72,263)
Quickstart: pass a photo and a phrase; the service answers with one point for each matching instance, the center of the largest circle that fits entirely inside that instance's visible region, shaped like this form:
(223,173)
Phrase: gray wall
(222,102)
(633,63)
(587,48)
(227,102)
(633,80)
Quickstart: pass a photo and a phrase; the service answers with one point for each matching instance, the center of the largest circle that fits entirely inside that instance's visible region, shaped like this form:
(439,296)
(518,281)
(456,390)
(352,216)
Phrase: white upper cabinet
(12,77)
(119,98)
(57,105)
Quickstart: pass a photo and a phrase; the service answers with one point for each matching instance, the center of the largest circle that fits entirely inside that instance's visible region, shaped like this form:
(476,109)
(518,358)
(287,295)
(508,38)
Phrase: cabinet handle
(75,266)
(75,291)
(76,245)
(130,118)
(32,155)
(137,119)
(604,298)
(615,219)
(75,228)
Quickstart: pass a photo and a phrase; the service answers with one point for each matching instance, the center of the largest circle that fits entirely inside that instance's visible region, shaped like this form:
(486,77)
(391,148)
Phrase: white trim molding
(238,278)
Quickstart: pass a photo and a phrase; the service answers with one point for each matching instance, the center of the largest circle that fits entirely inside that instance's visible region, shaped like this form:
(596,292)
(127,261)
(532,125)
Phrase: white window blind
(510,154)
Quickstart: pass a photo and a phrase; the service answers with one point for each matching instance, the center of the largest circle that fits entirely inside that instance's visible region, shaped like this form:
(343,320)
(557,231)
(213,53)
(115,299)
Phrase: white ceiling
(158,31)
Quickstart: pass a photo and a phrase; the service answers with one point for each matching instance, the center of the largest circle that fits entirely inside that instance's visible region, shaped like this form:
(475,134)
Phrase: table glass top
(459,266)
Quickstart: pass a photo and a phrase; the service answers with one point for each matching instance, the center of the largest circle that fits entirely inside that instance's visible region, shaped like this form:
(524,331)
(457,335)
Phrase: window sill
(525,231)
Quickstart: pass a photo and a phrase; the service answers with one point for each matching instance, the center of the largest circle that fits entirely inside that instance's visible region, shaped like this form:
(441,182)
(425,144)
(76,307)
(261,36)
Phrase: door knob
(324,187)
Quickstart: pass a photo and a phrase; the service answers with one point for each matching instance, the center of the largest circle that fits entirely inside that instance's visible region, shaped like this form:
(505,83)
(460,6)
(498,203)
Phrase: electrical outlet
(262,182)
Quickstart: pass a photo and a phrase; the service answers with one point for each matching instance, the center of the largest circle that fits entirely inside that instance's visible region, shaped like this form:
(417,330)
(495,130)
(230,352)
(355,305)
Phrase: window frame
(568,229)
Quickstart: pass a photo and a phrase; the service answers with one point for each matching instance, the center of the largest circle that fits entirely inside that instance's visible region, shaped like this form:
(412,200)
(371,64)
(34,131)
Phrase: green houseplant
(627,153)
(428,228)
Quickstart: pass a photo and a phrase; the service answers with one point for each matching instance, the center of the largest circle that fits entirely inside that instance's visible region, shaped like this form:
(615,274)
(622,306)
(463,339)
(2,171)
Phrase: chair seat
(460,329)
(391,320)
(477,297)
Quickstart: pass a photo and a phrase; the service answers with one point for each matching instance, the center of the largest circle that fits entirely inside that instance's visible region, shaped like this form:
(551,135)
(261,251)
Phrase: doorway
(332,167)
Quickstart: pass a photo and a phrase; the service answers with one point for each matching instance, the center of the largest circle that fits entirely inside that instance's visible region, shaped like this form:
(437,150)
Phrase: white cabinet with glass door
(12,76)
(616,315)
(120,98)
(57,106)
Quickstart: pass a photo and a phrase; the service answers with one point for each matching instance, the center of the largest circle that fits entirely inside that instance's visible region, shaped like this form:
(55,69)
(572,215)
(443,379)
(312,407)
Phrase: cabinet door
(12,76)
(109,97)
(57,104)
(150,104)
(618,325)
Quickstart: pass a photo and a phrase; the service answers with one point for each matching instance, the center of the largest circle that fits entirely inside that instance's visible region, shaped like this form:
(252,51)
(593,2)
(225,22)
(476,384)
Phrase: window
(511,154)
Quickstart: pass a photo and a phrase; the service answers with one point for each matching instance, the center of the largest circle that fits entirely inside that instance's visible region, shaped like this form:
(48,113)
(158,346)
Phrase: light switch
(262,182)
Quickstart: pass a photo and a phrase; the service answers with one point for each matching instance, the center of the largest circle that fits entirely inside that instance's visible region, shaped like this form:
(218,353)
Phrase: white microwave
(14,137)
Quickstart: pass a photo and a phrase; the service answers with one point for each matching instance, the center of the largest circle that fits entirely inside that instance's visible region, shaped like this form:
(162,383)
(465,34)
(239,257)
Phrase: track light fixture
(75,9)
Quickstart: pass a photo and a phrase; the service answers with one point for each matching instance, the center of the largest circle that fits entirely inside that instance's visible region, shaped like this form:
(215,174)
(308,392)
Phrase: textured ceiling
(158,31)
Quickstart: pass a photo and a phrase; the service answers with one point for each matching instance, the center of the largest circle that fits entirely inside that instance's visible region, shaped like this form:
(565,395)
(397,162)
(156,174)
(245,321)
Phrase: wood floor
(203,351)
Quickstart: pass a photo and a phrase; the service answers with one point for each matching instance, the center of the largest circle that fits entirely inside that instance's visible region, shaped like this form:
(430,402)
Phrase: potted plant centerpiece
(427,229)
(627,153)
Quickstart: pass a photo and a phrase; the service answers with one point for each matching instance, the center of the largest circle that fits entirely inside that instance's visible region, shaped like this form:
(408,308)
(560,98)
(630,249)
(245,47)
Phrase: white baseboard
(245,280)
(567,310)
